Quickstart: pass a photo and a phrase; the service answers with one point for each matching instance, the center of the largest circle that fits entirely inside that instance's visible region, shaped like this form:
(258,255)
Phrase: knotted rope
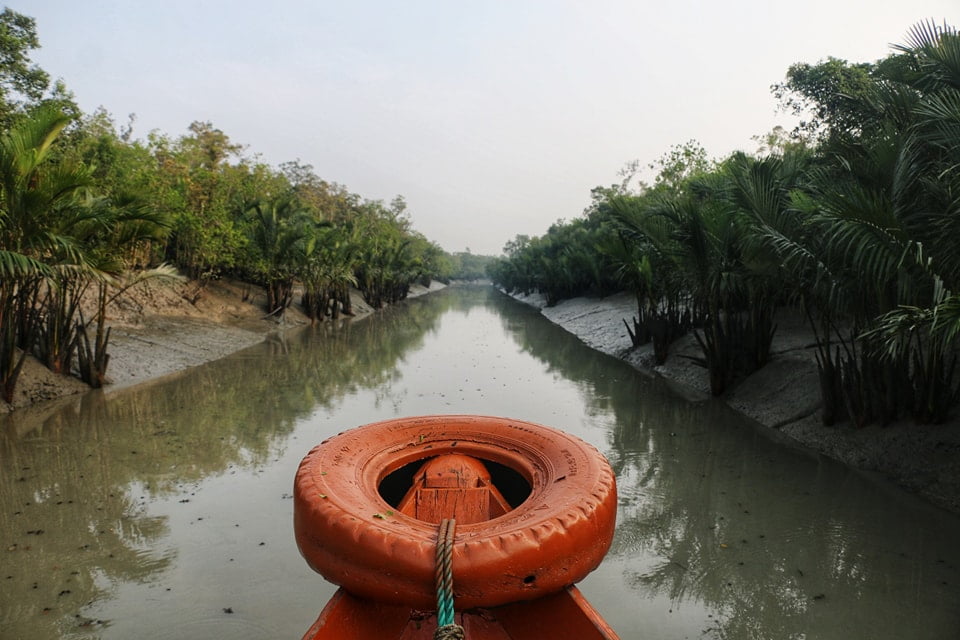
(446,628)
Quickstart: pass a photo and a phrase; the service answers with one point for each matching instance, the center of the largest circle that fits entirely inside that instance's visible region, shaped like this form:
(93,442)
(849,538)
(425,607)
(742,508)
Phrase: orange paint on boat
(453,486)
(535,510)
(565,615)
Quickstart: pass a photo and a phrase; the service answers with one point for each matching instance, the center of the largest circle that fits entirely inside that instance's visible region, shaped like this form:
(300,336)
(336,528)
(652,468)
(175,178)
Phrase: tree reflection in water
(774,542)
(75,480)
(722,532)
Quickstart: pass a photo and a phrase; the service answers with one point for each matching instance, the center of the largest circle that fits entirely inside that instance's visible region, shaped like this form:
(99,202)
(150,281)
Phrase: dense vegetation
(853,219)
(83,205)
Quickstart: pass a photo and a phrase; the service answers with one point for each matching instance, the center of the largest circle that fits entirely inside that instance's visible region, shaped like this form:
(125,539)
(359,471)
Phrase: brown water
(164,511)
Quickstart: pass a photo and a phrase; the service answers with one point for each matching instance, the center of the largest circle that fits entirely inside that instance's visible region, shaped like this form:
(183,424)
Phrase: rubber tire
(349,534)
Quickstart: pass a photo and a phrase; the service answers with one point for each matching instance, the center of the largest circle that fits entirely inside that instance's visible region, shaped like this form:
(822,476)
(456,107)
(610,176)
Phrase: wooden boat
(491,518)
(563,615)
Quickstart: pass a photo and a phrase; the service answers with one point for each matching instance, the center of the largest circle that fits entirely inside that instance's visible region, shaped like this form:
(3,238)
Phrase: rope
(449,632)
(444,576)
(446,628)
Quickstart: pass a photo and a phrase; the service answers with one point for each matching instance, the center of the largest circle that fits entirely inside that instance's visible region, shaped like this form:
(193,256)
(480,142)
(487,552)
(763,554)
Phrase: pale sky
(491,118)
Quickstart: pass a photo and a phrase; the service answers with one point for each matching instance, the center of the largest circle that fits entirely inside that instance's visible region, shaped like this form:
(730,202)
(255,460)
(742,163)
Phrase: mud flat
(783,396)
(160,328)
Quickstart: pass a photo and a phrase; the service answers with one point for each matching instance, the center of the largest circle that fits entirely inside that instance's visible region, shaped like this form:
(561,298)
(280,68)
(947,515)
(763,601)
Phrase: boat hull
(560,616)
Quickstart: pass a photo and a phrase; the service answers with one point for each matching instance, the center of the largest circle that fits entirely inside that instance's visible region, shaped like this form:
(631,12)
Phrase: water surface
(164,511)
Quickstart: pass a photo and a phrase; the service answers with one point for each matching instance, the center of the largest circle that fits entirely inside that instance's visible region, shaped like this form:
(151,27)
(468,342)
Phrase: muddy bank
(162,327)
(783,396)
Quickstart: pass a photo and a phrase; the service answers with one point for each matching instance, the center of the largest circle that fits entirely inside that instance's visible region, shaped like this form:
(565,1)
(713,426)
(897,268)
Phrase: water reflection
(75,483)
(771,541)
(160,507)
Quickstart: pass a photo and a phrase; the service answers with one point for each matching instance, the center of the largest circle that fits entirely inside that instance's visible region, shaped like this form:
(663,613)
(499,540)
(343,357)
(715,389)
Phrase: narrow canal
(164,511)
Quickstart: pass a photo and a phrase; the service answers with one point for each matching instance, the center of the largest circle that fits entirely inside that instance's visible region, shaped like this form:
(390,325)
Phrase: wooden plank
(466,505)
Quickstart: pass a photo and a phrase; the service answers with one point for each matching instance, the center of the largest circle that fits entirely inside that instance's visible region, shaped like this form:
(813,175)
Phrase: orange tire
(348,533)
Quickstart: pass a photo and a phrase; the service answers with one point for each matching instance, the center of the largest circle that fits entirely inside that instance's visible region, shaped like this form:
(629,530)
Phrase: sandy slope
(784,396)
(162,327)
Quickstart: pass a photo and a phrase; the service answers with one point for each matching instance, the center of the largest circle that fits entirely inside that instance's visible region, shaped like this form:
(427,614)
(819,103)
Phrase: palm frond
(16,266)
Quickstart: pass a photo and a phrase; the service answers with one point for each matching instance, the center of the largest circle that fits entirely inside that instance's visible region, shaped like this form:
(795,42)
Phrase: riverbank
(784,396)
(162,327)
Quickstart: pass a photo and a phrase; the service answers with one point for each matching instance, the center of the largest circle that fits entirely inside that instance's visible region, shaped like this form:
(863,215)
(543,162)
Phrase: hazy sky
(491,118)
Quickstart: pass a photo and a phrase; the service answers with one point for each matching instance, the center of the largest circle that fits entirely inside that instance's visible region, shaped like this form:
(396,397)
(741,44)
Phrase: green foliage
(390,257)
(77,210)
(856,221)
(833,95)
(327,274)
(873,250)
(81,202)
(561,264)
(679,165)
(41,207)
(468,266)
(207,194)
(56,238)
(278,231)
(643,256)
(22,83)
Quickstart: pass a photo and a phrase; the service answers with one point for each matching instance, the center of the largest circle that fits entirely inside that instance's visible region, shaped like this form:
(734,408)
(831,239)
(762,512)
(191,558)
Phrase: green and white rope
(446,628)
